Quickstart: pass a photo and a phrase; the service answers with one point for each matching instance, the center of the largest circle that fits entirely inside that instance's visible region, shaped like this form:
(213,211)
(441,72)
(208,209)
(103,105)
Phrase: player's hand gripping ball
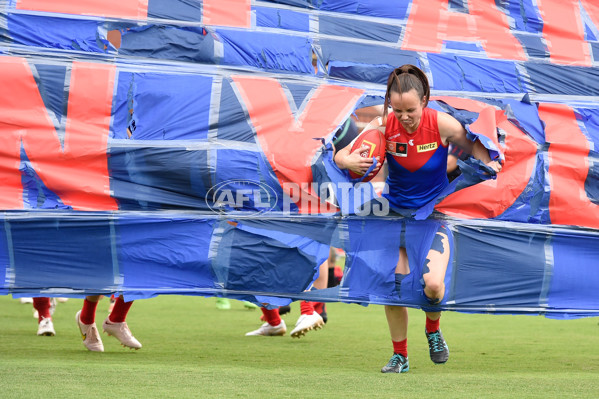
(373,141)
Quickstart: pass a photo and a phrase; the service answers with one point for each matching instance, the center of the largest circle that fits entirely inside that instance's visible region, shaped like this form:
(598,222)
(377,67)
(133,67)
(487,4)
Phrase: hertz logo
(427,147)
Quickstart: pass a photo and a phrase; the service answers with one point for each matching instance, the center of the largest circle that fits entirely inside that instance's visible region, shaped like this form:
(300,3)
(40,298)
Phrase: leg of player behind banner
(114,324)
(45,308)
(313,315)
(309,318)
(273,325)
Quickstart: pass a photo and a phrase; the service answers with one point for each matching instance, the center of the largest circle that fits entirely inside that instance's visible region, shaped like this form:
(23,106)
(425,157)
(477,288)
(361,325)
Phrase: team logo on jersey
(397,149)
(426,147)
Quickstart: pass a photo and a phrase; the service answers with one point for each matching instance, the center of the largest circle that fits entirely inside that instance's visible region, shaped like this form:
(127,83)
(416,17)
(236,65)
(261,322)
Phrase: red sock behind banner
(42,305)
(88,312)
(271,316)
(307,307)
(120,310)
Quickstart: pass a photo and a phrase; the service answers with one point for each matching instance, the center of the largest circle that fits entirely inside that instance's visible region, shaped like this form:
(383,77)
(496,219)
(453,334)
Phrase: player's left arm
(451,130)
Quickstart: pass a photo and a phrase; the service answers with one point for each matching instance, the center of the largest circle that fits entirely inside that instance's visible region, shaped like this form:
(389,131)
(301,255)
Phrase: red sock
(318,307)
(432,325)
(307,307)
(42,305)
(120,310)
(401,347)
(271,316)
(88,312)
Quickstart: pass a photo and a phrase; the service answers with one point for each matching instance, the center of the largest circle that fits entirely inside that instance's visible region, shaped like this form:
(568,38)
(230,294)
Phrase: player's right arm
(346,159)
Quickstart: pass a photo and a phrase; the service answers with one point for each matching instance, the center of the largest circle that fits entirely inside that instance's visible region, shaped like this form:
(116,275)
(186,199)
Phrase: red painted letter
(287,142)
(564,33)
(136,9)
(492,197)
(568,168)
(78,174)
(592,9)
(430,23)
(236,13)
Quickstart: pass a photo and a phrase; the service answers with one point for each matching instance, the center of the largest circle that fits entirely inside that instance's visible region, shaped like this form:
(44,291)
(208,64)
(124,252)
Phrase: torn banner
(122,122)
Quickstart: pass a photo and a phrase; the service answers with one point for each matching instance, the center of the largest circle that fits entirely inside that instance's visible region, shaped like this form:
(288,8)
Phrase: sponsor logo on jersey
(392,135)
(426,147)
(397,149)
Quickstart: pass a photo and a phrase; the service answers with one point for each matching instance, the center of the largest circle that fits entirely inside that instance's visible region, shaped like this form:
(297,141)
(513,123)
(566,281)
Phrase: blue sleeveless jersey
(417,162)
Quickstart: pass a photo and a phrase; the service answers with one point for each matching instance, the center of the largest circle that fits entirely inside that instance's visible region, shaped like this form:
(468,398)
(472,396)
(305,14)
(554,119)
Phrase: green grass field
(193,350)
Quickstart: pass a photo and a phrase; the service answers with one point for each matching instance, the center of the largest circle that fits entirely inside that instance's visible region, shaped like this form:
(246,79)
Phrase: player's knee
(434,289)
